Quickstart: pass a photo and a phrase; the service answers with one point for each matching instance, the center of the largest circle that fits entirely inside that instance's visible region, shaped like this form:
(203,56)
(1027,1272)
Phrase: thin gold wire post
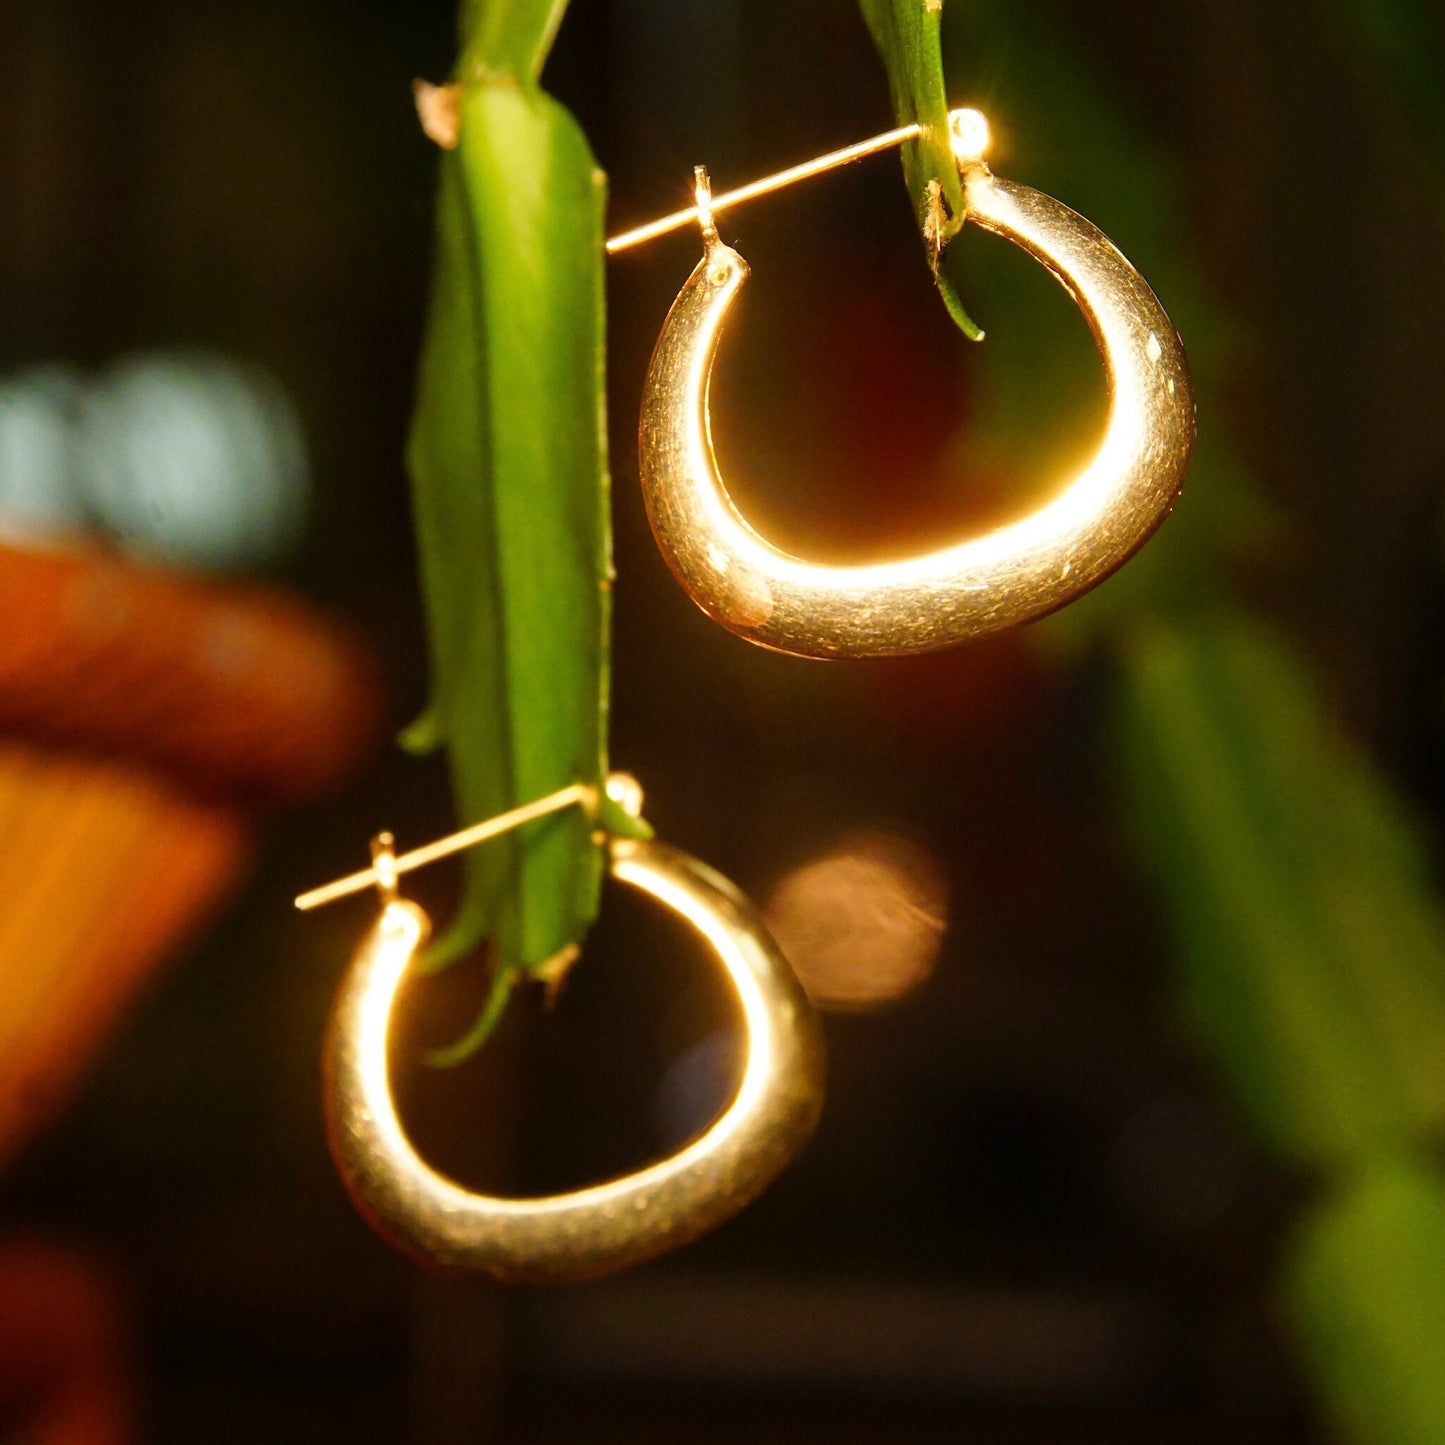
(387,867)
(968,134)
(702,189)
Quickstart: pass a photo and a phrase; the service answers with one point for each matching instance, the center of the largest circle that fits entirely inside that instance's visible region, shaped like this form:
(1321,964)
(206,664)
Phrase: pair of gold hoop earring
(970,589)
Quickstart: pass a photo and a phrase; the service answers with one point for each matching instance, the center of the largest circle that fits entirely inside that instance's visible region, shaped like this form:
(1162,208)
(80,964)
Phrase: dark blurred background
(1040,1207)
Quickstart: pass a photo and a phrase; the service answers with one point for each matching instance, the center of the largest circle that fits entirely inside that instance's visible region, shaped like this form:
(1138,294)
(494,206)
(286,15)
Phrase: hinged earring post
(385,870)
(383,866)
(622,789)
(968,134)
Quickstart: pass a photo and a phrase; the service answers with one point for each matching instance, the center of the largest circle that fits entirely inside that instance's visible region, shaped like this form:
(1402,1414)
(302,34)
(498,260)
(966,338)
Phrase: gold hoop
(608,1226)
(1013,575)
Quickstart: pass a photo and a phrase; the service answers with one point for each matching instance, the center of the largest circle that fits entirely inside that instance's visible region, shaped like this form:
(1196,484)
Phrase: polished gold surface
(969,589)
(608,1226)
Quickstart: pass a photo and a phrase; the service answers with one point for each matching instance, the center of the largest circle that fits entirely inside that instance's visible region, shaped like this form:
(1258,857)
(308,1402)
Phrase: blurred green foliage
(1310,947)
(1363,1291)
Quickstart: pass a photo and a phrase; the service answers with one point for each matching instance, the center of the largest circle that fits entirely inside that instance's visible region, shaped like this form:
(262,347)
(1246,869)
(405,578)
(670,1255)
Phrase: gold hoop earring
(607,1226)
(973,588)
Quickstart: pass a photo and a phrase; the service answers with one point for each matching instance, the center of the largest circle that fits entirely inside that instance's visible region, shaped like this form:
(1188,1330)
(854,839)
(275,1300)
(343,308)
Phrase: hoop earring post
(968,133)
(386,869)
(702,189)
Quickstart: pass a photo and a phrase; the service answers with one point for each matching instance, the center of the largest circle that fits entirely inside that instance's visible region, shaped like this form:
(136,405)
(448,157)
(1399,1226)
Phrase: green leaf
(1311,948)
(907,34)
(508,465)
(507,37)
(1364,1290)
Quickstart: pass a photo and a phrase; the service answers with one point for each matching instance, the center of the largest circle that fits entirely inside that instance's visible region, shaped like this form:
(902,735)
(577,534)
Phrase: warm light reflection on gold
(862,924)
(608,1226)
(969,135)
(972,588)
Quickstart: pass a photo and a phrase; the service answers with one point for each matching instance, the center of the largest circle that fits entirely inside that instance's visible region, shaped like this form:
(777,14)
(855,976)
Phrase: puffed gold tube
(1099,518)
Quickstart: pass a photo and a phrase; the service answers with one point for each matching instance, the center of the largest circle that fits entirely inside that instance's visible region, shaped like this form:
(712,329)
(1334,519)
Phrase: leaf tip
(458,1052)
(423,736)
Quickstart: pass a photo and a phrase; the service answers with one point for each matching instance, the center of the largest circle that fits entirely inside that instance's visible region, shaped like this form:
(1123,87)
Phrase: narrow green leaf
(953,303)
(510,487)
(1364,1290)
(907,34)
(1312,950)
(499,995)
(507,37)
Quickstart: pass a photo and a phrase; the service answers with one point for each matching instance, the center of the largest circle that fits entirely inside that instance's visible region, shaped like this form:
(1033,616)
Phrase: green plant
(508,459)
